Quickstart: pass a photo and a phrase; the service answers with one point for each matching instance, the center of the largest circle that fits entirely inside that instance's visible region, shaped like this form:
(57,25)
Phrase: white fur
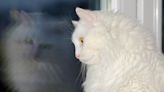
(119,53)
(26,75)
(33,48)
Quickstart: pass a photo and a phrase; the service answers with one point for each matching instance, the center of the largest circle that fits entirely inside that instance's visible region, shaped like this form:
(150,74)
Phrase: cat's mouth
(86,59)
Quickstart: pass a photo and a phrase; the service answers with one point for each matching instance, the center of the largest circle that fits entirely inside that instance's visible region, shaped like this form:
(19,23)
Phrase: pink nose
(78,56)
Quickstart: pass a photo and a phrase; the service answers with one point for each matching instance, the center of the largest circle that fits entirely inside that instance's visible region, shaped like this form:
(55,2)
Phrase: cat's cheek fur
(90,61)
(88,57)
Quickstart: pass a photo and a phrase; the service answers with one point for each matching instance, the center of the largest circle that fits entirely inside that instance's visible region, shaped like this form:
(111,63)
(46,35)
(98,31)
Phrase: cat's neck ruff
(108,76)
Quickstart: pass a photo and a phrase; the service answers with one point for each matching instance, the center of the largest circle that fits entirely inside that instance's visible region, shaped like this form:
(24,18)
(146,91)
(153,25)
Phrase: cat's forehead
(80,31)
(83,29)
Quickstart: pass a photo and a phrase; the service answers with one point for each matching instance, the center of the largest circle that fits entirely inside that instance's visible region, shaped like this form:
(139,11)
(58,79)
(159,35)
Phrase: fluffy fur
(37,52)
(120,55)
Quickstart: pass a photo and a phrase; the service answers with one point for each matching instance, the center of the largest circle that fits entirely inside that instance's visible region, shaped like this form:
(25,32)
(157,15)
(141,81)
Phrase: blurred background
(64,9)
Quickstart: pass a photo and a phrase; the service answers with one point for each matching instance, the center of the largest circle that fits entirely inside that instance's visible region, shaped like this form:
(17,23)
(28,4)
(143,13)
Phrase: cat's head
(89,36)
(38,37)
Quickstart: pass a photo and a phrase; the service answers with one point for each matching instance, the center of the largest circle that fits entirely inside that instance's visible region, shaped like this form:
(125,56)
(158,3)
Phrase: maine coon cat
(119,54)
(38,54)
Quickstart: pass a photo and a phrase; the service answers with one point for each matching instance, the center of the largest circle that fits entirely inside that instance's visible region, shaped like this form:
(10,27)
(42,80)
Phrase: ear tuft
(74,23)
(78,9)
(25,17)
(21,16)
(14,14)
(86,15)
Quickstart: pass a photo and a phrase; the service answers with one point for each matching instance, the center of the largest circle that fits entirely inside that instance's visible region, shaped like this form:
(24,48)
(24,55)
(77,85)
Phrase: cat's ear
(87,15)
(74,23)
(22,16)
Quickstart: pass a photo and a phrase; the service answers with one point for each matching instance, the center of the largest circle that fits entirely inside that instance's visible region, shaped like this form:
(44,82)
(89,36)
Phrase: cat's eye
(45,46)
(28,41)
(81,39)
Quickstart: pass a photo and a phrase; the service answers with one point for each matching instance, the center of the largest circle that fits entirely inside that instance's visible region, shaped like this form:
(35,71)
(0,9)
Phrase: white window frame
(148,12)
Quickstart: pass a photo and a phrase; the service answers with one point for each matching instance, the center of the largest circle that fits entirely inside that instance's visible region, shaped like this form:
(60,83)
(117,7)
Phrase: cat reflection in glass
(38,54)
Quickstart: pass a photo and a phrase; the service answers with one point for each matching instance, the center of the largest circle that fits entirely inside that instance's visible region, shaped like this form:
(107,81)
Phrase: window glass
(48,41)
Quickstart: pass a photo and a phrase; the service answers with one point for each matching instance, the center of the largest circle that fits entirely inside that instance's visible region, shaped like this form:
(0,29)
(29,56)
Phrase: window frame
(147,12)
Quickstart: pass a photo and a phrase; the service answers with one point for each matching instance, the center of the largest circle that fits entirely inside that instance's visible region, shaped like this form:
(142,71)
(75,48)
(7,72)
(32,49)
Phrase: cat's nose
(77,56)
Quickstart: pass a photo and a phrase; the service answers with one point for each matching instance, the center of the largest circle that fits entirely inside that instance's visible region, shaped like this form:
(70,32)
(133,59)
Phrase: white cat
(119,54)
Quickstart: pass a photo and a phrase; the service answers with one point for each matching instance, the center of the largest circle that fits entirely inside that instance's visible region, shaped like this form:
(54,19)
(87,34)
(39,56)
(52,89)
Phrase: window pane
(46,47)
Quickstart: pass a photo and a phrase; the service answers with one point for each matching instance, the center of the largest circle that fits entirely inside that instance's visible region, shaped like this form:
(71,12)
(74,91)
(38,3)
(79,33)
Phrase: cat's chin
(88,60)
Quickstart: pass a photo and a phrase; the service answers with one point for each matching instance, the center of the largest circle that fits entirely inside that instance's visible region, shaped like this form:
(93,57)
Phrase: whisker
(67,38)
(82,73)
